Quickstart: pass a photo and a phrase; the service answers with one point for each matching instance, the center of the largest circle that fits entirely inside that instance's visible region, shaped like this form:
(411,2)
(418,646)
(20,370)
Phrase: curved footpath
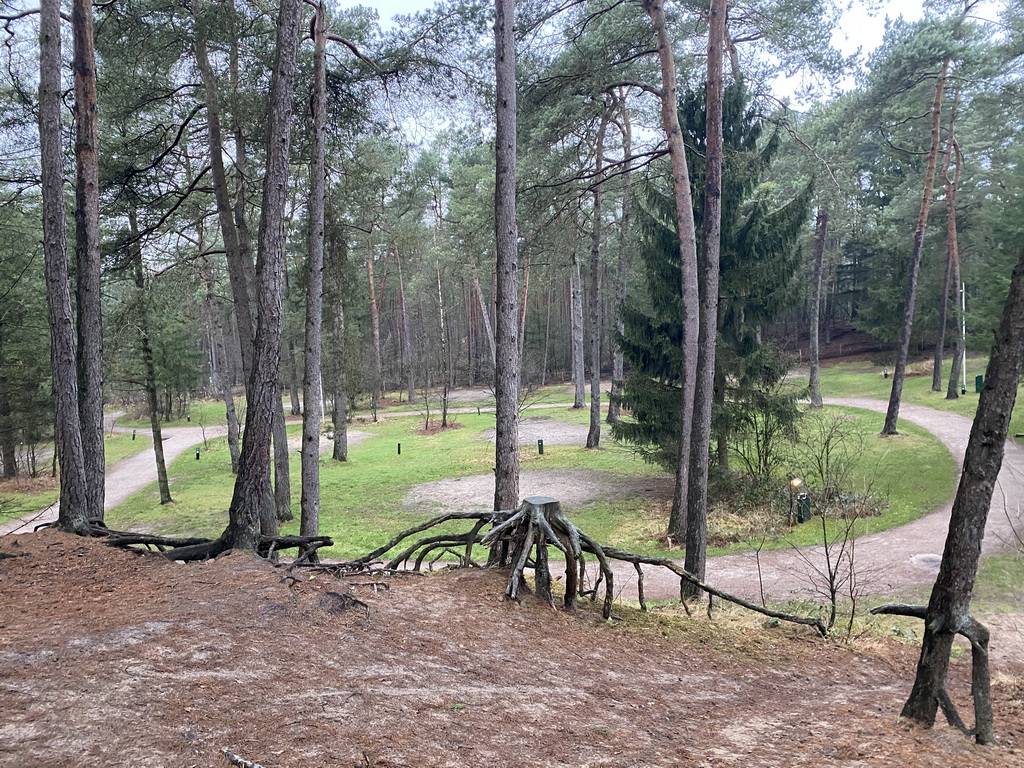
(128,476)
(896,562)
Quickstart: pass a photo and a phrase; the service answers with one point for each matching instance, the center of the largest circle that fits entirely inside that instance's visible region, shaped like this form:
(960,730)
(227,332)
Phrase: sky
(859,29)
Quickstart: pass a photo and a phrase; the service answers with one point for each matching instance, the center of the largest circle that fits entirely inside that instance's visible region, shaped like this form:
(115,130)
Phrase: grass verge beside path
(364,501)
(860,379)
(23,495)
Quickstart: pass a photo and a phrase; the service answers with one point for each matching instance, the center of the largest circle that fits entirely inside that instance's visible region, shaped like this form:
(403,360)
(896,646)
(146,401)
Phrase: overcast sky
(858,28)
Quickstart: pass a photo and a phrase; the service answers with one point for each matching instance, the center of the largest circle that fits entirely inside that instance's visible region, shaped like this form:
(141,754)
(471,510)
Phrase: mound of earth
(113,659)
(572,487)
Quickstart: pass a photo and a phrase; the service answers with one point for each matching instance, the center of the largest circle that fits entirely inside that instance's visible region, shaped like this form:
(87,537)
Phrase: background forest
(822,192)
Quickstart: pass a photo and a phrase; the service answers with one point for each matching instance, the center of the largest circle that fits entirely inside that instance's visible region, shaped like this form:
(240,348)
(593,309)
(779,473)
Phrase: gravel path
(890,563)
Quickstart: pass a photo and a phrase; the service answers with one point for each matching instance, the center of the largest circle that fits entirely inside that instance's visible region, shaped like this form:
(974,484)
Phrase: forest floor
(114,659)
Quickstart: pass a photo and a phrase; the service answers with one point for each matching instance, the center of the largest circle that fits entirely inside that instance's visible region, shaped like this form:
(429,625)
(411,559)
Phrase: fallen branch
(239,761)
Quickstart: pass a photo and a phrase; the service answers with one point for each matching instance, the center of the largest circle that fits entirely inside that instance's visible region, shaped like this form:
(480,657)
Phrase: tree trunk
(147,361)
(708,268)
(73,513)
(523,307)
(312,412)
(952,248)
(956,369)
(254,470)
(594,432)
(689,307)
(949,606)
(374,330)
(340,410)
(87,255)
(820,238)
(282,465)
(506,375)
(622,271)
(219,368)
(903,351)
(486,315)
(295,401)
(579,379)
(407,370)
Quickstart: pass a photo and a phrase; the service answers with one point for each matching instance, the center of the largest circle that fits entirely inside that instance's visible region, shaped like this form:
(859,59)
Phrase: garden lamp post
(795,484)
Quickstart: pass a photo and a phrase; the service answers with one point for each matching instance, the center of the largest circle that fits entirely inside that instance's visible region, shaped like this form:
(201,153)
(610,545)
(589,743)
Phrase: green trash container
(979,382)
(803,508)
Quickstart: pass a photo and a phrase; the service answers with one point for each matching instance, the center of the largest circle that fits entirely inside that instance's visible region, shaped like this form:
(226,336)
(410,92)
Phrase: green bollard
(540,447)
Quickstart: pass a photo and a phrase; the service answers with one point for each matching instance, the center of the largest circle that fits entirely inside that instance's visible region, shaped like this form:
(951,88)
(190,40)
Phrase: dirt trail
(889,563)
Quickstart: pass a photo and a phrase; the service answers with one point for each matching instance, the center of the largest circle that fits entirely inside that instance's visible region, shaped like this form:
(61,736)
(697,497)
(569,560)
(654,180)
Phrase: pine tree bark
(820,239)
(952,247)
(147,362)
(312,412)
(87,255)
(708,269)
(220,368)
(689,304)
(73,512)
(622,270)
(949,605)
(407,370)
(486,317)
(374,330)
(254,469)
(506,375)
(594,432)
(576,346)
(903,350)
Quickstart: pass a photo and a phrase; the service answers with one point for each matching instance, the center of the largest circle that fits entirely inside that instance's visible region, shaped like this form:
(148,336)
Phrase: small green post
(540,447)
(979,382)
(133,434)
(197,454)
(399,449)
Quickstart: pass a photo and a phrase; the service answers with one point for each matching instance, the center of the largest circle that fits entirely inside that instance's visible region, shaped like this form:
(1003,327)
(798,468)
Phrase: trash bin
(803,508)
(979,382)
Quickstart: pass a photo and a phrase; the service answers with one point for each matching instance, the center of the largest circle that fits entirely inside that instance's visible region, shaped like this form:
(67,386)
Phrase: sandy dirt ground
(113,659)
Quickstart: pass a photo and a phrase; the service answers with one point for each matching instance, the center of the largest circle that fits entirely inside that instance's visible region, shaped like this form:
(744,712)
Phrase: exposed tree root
(518,539)
(192,549)
(525,534)
(981,685)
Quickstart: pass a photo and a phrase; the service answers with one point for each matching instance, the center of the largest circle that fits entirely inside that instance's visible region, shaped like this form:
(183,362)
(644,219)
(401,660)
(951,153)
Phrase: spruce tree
(758,261)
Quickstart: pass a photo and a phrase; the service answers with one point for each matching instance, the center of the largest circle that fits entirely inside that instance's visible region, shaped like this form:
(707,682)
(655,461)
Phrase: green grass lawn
(363,501)
(23,495)
(863,380)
